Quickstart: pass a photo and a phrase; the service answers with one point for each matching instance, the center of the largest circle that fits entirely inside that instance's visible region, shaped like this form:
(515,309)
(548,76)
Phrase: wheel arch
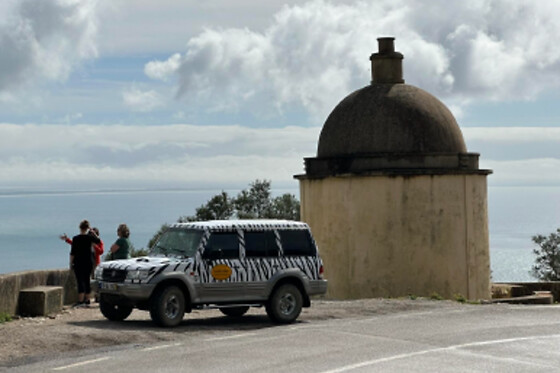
(297,282)
(178,283)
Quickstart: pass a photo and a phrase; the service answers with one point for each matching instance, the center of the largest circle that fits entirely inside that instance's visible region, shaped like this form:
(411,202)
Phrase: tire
(167,307)
(234,311)
(284,306)
(114,312)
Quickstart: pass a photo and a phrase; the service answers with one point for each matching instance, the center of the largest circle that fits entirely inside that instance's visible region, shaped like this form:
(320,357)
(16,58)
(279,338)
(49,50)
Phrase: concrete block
(541,298)
(40,300)
(509,291)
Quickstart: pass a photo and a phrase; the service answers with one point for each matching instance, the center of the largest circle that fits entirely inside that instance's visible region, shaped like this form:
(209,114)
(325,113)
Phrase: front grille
(114,275)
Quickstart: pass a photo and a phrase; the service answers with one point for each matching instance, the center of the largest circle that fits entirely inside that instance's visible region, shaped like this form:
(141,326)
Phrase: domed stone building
(396,203)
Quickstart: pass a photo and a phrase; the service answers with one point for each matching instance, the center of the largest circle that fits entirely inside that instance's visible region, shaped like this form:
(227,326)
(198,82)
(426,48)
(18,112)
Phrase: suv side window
(261,244)
(222,245)
(297,242)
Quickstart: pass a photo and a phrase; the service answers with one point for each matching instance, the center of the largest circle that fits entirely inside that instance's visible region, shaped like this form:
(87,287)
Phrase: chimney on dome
(386,65)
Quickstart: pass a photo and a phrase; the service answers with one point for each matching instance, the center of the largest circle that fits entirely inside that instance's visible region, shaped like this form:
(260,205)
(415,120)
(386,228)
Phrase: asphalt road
(484,338)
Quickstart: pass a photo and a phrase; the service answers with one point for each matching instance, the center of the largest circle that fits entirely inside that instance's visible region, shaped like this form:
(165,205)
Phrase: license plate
(107,286)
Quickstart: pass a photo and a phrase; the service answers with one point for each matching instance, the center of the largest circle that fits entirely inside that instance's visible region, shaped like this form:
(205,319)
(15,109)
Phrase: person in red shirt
(98,249)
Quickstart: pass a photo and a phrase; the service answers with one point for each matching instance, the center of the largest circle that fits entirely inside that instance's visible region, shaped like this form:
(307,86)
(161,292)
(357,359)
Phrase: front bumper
(131,291)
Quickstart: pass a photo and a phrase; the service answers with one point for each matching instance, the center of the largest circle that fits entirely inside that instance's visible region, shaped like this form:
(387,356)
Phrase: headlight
(98,274)
(137,275)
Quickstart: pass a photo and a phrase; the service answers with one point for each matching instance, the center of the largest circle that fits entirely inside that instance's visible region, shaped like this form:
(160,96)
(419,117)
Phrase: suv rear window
(297,242)
(260,244)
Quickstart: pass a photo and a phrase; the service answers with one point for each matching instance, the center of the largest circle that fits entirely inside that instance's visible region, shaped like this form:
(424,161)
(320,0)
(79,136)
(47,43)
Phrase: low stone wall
(12,283)
(521,289)
(553,287)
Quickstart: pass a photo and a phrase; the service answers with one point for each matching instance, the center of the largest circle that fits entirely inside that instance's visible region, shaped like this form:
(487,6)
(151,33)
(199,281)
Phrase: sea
(31,222)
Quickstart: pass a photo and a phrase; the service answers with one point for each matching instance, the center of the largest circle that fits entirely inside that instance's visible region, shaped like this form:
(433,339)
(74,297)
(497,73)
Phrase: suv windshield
(177,243)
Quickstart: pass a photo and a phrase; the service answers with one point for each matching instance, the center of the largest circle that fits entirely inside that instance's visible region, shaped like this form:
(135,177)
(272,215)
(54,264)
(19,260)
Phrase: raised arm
(66,239)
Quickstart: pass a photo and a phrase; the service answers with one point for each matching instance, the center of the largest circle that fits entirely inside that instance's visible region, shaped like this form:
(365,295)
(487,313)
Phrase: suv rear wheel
(167,306)
(234,311)
(284,306)
(114,311)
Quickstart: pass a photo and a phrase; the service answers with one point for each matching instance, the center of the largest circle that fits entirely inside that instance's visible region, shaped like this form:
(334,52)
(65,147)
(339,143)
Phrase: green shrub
(435,296)
(5,317)
(137,253)
(547,262)
(256,202)
(460,298)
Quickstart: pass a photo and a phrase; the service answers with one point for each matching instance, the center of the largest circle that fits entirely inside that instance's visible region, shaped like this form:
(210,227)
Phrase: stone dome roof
(389,116)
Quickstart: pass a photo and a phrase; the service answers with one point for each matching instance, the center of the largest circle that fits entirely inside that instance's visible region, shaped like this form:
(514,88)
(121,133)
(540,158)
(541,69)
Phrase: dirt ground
(74,331)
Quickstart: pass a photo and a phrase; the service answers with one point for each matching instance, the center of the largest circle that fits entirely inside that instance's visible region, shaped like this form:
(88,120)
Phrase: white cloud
(172,155)
(158,27)
(142,101)
(265,62)
(44,41)
(313,54)
(163,69)
(513,143)
(512,134)
(527,172)
(168,155)
(69,118)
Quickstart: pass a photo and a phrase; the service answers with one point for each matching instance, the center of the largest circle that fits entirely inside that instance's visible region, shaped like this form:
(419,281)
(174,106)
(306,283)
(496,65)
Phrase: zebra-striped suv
(231,265)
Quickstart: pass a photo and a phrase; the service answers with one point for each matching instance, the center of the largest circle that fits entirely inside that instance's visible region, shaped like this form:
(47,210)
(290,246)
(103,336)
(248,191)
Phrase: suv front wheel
(167,306)
(114,311)
(284,306)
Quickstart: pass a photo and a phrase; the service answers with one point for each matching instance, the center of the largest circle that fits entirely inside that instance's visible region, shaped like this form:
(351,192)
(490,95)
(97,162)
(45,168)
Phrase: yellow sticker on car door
(221,272)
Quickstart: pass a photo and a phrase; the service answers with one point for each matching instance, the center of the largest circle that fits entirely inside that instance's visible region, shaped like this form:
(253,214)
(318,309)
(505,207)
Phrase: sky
(138,93)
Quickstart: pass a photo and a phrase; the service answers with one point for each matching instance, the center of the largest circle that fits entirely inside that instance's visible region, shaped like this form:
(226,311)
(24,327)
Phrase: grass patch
(435,296)
(460,298)
(4,317)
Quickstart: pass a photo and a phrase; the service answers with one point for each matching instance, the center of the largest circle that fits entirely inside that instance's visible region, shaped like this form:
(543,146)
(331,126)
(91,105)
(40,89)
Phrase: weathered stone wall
(12,283)
(391,236)
(552,286)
